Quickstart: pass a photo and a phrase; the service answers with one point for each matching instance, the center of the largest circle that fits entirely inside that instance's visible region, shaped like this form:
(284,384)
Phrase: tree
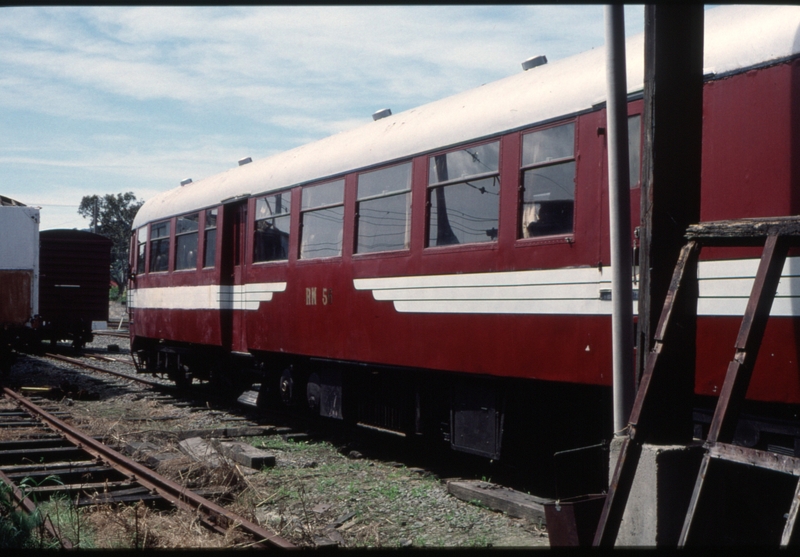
(112,216)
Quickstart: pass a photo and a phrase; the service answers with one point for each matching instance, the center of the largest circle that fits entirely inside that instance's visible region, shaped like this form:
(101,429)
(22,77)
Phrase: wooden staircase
(704,522)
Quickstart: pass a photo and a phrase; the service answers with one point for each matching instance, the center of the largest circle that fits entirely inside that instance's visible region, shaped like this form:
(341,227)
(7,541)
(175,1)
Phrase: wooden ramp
(705,523)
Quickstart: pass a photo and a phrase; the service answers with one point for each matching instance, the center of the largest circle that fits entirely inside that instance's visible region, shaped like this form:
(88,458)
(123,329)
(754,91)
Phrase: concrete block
(660,494)
(200,451)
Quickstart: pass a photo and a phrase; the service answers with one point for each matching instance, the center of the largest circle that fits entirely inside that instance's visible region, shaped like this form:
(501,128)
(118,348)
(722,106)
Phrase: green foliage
(113,219)
(18,529)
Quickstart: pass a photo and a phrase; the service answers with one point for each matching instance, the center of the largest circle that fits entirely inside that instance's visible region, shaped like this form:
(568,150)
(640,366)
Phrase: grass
(21,530)
(391,506)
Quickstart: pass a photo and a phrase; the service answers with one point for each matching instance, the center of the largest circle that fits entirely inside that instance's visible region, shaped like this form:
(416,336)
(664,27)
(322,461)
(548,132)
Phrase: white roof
(736,37)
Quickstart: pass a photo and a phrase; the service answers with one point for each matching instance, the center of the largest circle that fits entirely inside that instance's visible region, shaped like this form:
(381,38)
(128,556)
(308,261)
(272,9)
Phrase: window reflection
(322,220)
(186,241)
(141,237)
(635,149)
(159,247)
(548,186)
(384,209)
(210,240)
(464,190)
(272,227)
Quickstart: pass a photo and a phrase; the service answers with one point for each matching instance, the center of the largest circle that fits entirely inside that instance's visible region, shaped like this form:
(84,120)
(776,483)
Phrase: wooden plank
(737,379)
(748,342)
(41,471)
(498,498)
(744,231)
(245,454)
(698,488)
(753,457)
(20,424)
(31,443)
(43,455)
(646,412)
(76,488)
(246,431)
(789,536)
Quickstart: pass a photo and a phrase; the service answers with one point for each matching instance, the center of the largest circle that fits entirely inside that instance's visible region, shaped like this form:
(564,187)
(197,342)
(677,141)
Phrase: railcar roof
(736,37)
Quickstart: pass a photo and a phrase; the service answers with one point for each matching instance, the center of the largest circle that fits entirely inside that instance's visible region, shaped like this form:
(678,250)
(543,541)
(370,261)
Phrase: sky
(106,100)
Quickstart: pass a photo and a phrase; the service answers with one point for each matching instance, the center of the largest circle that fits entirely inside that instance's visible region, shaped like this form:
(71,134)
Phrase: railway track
(94,473)
(298,519)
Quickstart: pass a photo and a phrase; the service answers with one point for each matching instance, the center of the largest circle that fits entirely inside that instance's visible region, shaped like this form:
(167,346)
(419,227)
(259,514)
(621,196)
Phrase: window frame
(141,246)
(638,182)
(304,211)
(284,216)
(524,168)
(182,235)
(406,192)
(430,187)
(159,241)
(214,211)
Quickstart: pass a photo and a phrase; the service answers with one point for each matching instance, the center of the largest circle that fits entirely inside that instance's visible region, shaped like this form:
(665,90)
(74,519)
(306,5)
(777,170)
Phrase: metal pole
(619,217)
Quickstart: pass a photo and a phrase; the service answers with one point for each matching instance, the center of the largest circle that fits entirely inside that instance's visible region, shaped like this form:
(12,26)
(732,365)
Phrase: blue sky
(98,100)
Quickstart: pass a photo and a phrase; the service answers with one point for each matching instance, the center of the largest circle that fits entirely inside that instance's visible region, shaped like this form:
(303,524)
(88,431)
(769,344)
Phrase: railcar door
(232,275)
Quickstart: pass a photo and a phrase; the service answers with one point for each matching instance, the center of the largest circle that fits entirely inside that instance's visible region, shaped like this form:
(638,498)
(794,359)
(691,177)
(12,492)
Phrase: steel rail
(211,514)
(77,362)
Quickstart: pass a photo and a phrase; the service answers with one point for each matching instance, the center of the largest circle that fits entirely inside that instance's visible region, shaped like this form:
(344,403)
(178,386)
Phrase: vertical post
(670,199)
(619,207)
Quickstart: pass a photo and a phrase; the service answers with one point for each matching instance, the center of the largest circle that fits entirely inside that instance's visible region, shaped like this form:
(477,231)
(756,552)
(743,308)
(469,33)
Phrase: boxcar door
(234,250)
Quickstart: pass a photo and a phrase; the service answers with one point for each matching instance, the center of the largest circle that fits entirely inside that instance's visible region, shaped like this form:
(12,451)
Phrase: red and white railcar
(446,269)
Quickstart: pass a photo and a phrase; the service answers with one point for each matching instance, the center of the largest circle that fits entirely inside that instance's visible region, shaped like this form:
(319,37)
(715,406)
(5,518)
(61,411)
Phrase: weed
(19,529)
(391,491)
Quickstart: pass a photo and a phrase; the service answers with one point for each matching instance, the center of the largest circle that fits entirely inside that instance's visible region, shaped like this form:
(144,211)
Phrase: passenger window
(272,227)
(322,215)
(186,241)
(210,239)
(635,149)
(464,196)
(159,247)
(141,240)
(548,189)
(383,218)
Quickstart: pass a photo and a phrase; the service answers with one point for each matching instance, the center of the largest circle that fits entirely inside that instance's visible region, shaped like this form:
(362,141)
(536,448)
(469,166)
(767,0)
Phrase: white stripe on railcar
(211,297)
(724,287)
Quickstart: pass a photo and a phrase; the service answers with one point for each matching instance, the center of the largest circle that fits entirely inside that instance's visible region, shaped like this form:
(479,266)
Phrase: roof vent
(186,181)
(382,113)
(533,62)
(246,160)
